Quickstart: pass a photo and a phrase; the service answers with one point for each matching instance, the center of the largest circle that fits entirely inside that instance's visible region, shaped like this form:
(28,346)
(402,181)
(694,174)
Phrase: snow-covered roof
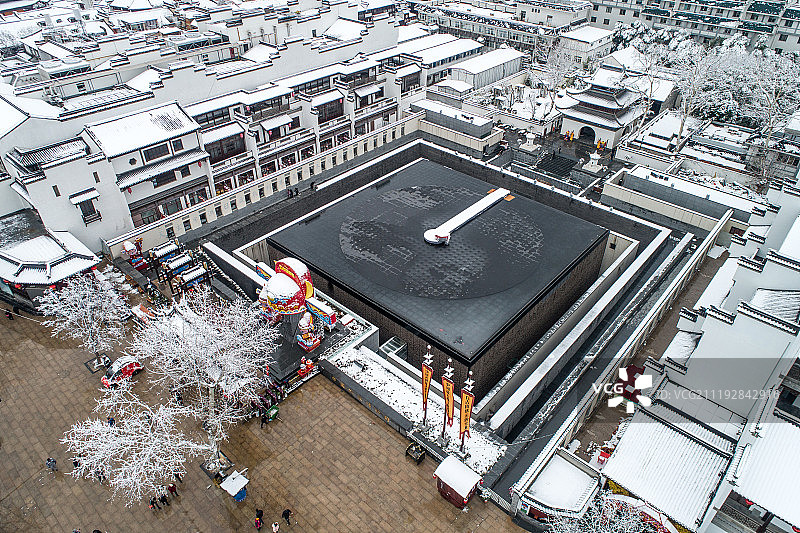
(629,58)
(359,65)
(414,45)
(222,132)
(276,122)
(33,107)
(143,128)
(452,112)
(326,98)
(33,255)
(682,346)
(407,70)
(778,303)
(672,471)
(456,85)
(260,53)
(488,61)
(791,244)
(605,77)
(563,486)
(411,31)
(345,30)
(367,90)
(142,81)
(447,50)
(720,285)
(587,34)
(768,471)
(457,475)
(695,189)
(10,117)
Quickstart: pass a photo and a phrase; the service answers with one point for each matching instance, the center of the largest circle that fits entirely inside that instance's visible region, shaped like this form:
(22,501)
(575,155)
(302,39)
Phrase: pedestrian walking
(178,477)
(275,527)
(263,420)
(259,513)
(154,503)
(286,514)
(163,499)
(258,523)
(296,191)
(111,421)
(100,476)
(51,464)
(173,490)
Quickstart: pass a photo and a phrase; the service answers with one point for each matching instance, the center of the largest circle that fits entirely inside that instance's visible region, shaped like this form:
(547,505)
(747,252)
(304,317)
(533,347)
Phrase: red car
(123,368)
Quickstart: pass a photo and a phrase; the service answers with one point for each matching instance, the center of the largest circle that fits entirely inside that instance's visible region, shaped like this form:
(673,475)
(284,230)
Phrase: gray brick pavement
(335,464)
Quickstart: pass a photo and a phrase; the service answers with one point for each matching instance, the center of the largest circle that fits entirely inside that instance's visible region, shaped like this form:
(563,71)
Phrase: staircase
(218,274)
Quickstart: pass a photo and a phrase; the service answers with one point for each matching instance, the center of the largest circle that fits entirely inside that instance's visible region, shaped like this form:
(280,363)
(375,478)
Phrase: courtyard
(337,466)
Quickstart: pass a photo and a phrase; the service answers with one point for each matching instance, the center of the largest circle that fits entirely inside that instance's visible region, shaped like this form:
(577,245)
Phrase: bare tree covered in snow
(696,70)
(88,310)
(772,95)
(605,515)
(140,452)
(552,75)
(649,65)
(216,353)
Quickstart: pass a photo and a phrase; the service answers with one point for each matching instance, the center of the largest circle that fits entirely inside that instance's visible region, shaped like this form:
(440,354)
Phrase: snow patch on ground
(404,394)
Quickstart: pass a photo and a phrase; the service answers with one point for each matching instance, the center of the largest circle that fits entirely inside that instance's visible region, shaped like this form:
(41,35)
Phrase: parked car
(121,369)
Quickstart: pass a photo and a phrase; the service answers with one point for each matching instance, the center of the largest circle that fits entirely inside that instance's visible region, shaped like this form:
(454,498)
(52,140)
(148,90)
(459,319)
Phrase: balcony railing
(261,114)
(295,138)
(375,106)
(226,164)
(93,217)
(360,82)
(329,125)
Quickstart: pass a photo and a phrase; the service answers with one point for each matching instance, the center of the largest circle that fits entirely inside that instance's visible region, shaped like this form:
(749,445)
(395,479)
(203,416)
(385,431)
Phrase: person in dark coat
(163,499)
(286,514)
(154,503)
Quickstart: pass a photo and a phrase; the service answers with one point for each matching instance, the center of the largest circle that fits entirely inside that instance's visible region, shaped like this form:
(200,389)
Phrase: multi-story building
(263,109)
(776,23)
(530,26)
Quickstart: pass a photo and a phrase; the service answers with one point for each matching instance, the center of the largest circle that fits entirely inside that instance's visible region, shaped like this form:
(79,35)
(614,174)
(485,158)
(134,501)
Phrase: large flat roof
(462,296)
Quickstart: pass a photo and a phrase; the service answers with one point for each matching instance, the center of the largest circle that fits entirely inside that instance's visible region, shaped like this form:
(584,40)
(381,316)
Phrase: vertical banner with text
(447,389)
(467,401)
(427,373)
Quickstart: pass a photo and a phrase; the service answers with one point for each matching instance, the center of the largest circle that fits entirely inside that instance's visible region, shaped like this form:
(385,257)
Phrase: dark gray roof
(462,294)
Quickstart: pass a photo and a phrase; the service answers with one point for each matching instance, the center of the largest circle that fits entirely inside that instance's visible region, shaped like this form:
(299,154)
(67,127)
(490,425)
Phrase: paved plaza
(331,461)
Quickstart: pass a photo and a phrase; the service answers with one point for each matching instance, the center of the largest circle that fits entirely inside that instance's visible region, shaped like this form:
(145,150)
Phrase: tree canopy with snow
(86,309)
(140,452)
(215,353)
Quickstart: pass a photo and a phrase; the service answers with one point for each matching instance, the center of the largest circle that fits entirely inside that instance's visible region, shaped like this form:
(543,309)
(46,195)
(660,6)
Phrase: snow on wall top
(143,128)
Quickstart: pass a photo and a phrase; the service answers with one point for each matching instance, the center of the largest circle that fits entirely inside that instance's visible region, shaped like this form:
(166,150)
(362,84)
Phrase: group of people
(165,494)
(276,527)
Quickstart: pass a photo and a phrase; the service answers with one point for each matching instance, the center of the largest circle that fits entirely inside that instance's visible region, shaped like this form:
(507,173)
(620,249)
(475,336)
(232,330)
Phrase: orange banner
(467,401)
(447,388)
(427,373)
